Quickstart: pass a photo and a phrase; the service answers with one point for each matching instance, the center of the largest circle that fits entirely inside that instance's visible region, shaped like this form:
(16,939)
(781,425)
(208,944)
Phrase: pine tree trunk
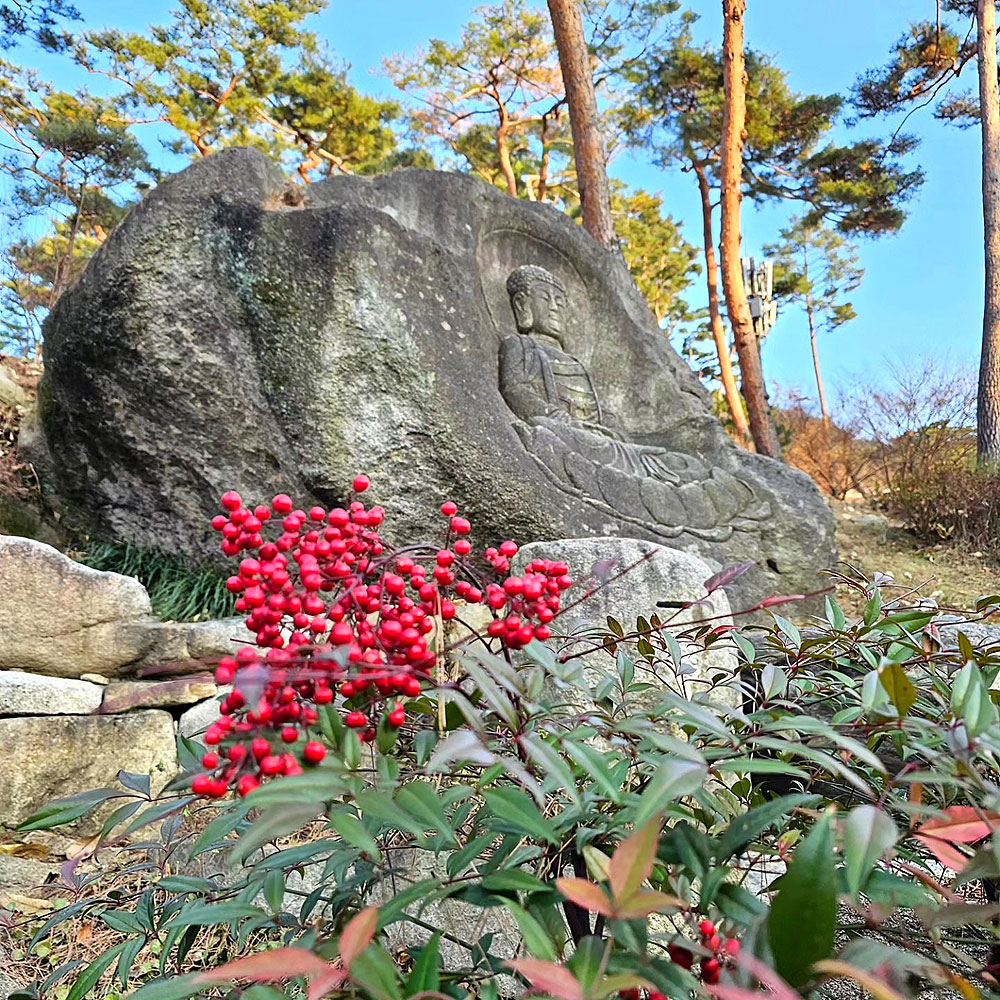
(730,173)
(588,147)
(988,415)
(726,375)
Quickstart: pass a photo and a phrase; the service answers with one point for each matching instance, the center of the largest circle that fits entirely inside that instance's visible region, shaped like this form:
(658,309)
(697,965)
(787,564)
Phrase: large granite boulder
(236,332)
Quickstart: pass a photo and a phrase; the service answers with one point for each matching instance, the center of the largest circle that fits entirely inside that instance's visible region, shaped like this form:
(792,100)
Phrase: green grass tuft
(178,591)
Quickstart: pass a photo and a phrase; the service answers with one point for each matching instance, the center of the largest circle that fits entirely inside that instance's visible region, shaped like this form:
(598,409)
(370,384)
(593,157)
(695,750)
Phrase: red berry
(449,508)
(201,784)
(271,765)
(314,752)
(710,971)
(707,928)
(361,483)
(356,720)
(732,947)
(289,734)
(210,761)
(260,748)
(232,500)
(680,956)
(460,526)
(246,784)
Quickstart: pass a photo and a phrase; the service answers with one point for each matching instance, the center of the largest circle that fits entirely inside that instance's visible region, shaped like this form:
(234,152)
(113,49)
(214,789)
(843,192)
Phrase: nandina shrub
(633,824)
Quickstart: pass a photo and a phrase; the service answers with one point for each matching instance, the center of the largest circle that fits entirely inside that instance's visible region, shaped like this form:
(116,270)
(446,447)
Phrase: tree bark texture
(588,146)
(730,173)
(988,413)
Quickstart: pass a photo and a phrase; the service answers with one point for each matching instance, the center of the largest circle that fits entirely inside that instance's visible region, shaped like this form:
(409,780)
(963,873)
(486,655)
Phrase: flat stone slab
(37,694)
(65,619)
(56,756)
(126,696)
(197,719)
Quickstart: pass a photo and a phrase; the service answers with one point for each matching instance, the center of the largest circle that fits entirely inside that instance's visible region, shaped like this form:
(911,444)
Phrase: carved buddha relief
(582,447)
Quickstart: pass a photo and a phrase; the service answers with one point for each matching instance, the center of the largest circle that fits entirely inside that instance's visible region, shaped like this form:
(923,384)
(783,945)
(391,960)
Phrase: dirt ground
(871,543)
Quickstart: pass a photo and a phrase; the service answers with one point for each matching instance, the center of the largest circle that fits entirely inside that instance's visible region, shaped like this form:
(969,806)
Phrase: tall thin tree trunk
(730,173)
(503,153)
(714,315)
(988,414)
(815,353)
(588,147)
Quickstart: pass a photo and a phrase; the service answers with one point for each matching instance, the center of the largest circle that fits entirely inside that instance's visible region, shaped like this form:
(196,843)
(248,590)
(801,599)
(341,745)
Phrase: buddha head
(537,298)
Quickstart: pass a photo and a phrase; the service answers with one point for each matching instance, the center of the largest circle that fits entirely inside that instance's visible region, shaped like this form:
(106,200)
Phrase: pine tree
(924,68)
(245,72)
(676,111)
(816,267)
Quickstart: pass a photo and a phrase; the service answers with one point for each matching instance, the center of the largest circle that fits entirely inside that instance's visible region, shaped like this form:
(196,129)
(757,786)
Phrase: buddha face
(538,309)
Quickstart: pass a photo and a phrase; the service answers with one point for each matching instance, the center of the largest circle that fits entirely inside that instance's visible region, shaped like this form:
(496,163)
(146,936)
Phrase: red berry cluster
(722,951)
(340,613)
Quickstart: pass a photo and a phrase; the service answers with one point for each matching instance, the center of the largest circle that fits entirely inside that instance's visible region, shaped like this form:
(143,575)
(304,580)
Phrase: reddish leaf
(959,825)
(329,981)
(632,862)
(726,576)
(591,897)
(547,977)
(268,967)
(645,902)
(770,602)
(358,934)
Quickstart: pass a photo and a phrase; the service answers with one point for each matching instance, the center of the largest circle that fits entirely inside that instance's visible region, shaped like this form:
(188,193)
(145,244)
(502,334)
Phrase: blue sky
(922,293)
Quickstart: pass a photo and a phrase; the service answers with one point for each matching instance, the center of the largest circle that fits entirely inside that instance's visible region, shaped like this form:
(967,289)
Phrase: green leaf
(420,800)
(868,833)
(873,608)
(789,630)
(802,924)
(87,979)
(751,825)
(835,615)
(587,961)
(269,826)
(596,765)
(536,938)
(517,811)
(970,700)
(376,971)
(898,686)
(274,889)
(425,975)
(352,830)
(127,959)
(173,988)
(67,810)
(123,921)
(671,780)
(513,880)
(219,829)
(198,914)
(549,759)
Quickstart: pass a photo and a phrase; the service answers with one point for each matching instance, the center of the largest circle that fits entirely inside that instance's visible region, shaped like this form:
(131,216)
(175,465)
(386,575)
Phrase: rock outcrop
(234,333)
